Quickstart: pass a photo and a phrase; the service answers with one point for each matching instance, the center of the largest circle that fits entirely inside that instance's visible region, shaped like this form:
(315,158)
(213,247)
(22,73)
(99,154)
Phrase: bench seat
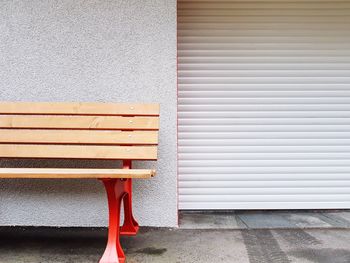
(66,173)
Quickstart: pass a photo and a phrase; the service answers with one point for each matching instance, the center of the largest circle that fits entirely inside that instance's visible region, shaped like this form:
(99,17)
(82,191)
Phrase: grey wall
(112,51)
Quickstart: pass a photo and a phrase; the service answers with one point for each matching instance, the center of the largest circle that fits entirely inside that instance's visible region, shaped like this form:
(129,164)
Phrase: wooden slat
(78,152)
(79,122)
(78,137)
(68,108)
(74,173)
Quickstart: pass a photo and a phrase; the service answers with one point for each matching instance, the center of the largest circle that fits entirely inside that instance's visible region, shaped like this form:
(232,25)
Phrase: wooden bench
(94,131)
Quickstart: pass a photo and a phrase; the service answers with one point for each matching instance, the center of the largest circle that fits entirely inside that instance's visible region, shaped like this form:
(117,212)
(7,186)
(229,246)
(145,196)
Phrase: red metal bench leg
(115,189)
(130,226)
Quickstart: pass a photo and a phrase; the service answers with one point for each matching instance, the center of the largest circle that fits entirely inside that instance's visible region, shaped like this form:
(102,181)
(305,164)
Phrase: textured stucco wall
(113,51)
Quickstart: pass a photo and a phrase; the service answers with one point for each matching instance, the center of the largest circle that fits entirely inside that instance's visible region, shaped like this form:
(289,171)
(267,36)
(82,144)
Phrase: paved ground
(266,219)
(329,243)
(179,246)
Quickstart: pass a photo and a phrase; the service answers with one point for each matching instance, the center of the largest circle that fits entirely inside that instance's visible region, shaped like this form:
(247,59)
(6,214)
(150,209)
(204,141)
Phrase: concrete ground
(266,219)
(328,243)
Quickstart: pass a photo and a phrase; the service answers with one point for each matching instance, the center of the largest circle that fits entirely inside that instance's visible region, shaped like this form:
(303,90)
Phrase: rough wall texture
(112,51)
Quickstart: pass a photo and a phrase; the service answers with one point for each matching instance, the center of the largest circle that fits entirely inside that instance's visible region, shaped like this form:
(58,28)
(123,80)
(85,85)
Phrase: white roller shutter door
(264,104)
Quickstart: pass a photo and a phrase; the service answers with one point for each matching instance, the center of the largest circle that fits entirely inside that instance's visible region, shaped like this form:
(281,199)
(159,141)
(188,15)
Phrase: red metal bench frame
(119,190)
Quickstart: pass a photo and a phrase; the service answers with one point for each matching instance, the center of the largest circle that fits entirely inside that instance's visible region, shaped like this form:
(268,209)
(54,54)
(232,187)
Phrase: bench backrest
(79,130)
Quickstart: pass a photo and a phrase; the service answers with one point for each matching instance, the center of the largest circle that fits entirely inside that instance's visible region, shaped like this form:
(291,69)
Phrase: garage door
(264,104)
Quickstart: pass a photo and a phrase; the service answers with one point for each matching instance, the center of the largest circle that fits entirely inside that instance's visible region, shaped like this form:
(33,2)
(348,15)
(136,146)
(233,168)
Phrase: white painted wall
(115,51)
